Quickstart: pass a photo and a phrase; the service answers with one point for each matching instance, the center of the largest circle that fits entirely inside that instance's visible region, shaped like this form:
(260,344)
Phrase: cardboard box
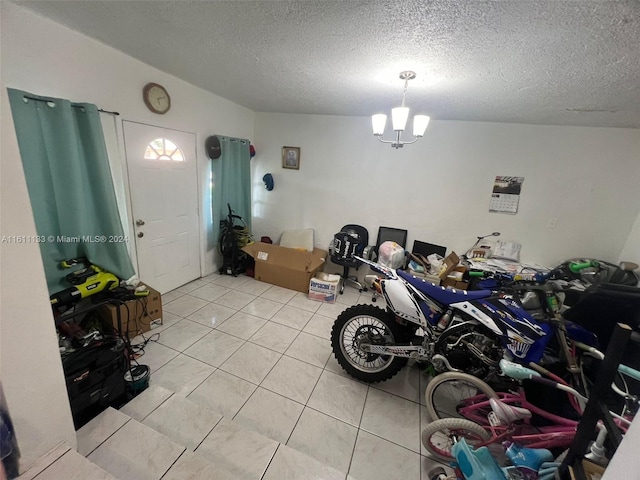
(135,315)
(324,287)
(426,276)
(454,283)
(285,267)
(592,470)
(449,264)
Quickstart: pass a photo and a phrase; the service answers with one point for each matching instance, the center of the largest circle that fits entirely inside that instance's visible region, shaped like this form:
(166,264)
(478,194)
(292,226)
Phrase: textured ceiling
(528,61)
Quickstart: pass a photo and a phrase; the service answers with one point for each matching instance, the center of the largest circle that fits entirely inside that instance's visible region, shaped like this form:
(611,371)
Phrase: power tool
(86,282)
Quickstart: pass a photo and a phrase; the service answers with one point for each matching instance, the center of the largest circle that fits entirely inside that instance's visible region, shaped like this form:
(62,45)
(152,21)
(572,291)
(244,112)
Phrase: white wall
(30,367)
(631,250)
(46,58)
(626,461)
(439,188)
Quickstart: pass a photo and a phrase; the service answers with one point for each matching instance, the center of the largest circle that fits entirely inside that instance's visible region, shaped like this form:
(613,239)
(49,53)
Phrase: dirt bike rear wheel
(447,391)
(437,437)
(371,325)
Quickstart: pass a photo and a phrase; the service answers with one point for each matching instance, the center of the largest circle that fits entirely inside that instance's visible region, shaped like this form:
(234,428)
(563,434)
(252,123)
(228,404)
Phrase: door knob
(139,222)
(140,234)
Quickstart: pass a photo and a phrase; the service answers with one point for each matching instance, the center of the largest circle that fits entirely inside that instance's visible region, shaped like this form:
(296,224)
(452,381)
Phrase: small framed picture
(291,157)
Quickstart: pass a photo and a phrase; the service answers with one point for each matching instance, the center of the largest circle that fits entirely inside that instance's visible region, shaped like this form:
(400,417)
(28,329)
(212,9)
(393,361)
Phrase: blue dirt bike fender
(580,334)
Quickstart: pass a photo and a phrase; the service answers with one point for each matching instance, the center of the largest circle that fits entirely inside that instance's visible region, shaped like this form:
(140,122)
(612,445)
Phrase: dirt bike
(454,330)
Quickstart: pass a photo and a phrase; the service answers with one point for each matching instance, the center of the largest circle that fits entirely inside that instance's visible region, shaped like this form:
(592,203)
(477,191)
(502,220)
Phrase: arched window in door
(163,149)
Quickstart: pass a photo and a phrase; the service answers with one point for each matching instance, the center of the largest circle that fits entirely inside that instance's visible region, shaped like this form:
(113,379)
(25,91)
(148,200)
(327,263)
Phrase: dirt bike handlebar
(540,277)
(389,273)
(576,267)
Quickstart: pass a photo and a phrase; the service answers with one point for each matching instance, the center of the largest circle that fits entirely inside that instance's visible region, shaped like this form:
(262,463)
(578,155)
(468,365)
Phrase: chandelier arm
(398,142)
(409,142)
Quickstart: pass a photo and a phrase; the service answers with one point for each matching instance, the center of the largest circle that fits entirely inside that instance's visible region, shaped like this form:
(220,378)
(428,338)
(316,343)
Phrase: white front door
(163,181)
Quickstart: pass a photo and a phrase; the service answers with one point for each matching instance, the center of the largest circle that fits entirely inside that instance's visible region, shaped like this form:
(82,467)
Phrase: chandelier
(399,117)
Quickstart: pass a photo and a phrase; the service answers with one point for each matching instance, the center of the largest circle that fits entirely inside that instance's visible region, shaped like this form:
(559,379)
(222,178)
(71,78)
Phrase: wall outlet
(553,223)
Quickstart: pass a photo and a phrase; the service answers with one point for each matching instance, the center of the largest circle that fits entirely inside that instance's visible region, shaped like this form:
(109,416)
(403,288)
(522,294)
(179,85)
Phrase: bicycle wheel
(439,437)
(449,391)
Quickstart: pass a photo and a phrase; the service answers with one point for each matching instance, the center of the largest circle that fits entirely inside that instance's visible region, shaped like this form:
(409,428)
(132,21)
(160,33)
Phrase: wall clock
(156,98)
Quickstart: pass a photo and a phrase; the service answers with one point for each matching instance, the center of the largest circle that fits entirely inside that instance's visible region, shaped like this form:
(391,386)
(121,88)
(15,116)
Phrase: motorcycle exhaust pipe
(481,356)
(439,358)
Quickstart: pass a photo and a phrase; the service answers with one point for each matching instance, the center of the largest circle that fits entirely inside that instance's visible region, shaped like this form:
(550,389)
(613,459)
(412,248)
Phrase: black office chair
(388,234)
(351,240)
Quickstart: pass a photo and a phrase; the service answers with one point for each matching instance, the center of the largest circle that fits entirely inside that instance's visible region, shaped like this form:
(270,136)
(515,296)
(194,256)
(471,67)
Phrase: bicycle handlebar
(520,372)
(624,369)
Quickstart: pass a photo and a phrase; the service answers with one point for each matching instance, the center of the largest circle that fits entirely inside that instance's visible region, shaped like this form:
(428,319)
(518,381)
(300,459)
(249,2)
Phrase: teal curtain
(231,182)
(69,181)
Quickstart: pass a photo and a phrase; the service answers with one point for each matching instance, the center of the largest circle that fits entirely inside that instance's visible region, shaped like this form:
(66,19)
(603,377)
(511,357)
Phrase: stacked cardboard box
(136,315)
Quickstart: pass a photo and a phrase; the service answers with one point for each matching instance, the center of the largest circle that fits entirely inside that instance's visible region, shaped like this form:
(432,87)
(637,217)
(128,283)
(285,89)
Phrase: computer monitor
(426,249)
(389,234)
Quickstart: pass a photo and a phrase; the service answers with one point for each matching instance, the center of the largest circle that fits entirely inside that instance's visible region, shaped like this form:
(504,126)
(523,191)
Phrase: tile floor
(260,356)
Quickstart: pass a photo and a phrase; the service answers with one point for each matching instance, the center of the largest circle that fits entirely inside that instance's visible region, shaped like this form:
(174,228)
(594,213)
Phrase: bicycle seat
(506,413)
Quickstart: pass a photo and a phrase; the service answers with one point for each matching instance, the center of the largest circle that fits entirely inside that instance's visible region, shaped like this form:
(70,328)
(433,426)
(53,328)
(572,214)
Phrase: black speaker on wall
(212,146)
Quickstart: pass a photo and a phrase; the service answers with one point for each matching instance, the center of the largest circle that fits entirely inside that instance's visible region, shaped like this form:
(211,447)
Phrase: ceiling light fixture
(399,117)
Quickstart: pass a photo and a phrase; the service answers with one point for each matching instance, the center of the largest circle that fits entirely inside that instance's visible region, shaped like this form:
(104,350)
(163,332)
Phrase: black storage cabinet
(95,378)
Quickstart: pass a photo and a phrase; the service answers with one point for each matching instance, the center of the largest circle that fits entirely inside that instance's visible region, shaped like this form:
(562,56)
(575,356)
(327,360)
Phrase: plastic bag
(416,267)
(435,263)
(391,255)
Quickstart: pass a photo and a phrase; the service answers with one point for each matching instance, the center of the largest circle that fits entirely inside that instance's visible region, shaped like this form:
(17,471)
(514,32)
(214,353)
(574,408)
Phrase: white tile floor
(243,375)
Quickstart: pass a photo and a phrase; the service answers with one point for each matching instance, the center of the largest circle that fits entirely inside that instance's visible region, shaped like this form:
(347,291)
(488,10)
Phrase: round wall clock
(156,98)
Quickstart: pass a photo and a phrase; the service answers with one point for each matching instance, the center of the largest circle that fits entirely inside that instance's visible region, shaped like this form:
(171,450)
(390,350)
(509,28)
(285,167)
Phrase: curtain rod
(76,106)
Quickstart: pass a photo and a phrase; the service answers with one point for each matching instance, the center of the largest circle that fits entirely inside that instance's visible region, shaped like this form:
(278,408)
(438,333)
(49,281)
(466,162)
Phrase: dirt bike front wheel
(366,325)
(439,436)
(449,391)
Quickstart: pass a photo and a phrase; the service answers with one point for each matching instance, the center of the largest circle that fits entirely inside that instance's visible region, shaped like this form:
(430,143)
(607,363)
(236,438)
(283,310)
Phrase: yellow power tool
(86,282)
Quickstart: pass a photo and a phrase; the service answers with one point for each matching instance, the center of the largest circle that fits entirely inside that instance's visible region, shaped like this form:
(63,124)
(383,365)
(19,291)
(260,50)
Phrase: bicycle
(460,395)
(488,418)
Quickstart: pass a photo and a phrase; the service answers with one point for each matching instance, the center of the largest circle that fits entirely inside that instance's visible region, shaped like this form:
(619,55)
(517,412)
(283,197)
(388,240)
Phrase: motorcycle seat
(441,294)
(507,413)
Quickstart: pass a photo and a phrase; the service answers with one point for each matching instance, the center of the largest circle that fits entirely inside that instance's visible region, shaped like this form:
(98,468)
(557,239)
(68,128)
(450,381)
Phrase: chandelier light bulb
(420,124)
(378,122)
(399,118)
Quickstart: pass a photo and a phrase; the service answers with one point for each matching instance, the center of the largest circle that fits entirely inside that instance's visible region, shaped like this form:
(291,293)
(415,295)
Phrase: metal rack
(93,307)
(596,410)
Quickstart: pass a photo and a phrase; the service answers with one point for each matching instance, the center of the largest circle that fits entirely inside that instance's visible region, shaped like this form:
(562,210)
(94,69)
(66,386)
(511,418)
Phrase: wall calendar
(506,194)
